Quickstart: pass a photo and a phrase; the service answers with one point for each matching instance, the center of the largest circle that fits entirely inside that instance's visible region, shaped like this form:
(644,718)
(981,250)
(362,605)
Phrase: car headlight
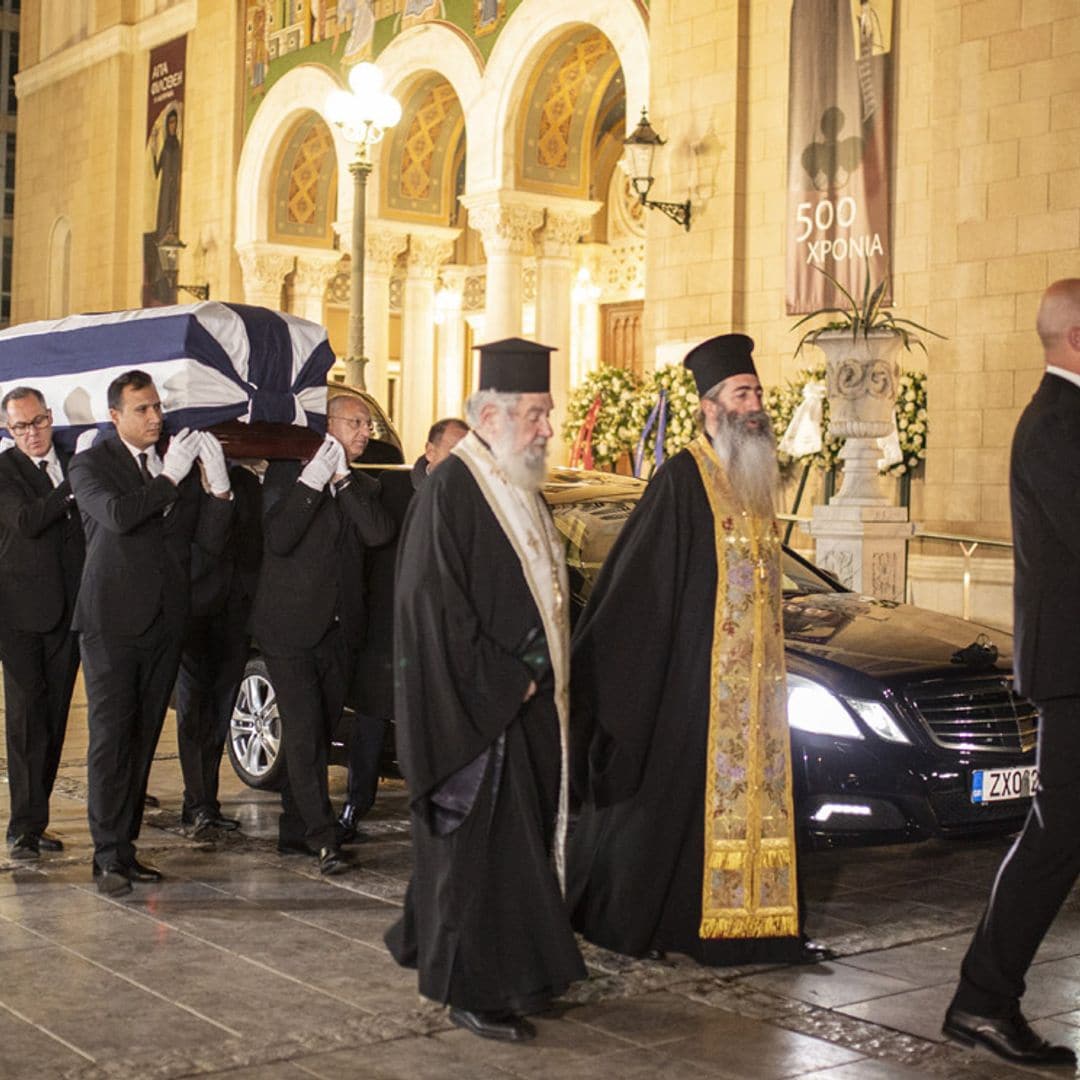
(879,720)
(812,708)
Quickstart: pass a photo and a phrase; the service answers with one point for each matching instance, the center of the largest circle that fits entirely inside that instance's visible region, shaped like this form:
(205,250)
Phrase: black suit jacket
(137,555)
(41,545)
(1045,497)
(313,559)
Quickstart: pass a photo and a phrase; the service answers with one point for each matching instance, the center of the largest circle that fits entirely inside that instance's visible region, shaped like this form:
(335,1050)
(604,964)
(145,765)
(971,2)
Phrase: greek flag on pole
(211,362)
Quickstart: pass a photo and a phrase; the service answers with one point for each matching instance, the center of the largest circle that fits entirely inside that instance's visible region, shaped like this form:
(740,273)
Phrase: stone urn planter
(862,372)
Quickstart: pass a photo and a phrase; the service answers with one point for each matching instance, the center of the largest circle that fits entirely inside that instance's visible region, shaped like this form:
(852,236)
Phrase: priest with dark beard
(686,839)
(481,705)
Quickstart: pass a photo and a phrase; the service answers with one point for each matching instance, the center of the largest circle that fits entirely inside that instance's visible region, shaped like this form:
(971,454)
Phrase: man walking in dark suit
(216,647)
(1044,863)
(141,512)
(41,558)
(309,616)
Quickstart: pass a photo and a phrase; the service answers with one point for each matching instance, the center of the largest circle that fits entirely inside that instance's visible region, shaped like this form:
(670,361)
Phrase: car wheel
(255,730)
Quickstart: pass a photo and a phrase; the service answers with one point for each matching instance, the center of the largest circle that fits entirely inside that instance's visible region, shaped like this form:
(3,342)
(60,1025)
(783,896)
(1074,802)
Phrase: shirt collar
(150,452)
(1063,373)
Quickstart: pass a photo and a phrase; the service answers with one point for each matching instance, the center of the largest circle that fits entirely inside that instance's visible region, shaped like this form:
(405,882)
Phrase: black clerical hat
(515,366)
(719,358)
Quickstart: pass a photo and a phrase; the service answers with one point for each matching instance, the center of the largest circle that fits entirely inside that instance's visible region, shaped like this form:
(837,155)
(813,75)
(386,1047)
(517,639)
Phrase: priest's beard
(526,467)
(748,455)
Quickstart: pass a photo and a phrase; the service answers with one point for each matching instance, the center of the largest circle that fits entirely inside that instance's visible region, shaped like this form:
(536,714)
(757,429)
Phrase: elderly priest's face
(517,428)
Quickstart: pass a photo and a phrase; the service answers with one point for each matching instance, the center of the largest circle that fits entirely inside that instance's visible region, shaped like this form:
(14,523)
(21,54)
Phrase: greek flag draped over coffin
(211,362)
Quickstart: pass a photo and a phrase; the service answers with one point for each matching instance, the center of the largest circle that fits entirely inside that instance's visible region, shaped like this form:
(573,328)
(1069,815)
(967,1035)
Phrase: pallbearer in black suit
(216,648)
(41,557)
(142,511)
(1042,867)
(309,617)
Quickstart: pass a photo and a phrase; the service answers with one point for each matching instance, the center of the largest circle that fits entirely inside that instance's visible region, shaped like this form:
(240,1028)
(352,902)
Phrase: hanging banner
(840,108)
(164,157)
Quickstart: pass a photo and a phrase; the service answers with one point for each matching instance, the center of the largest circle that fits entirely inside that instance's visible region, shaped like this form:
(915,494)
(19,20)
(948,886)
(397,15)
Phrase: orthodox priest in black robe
(686,839)
(481,694)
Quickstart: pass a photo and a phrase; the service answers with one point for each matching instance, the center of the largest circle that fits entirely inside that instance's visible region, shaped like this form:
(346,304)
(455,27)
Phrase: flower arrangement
(682,404)
(911,421)
(614,432)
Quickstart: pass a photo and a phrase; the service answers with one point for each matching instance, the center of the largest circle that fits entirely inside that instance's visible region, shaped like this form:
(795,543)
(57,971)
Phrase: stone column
(428,250)
(265,267)
(506,221)
(555,242)
(451,390)
(314,271)
(384,243)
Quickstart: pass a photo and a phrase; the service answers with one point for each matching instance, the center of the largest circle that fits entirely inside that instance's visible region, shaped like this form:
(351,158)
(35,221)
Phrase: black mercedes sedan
(904,723)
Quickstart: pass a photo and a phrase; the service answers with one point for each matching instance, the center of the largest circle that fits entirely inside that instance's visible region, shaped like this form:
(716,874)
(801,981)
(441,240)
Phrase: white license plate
(997,785)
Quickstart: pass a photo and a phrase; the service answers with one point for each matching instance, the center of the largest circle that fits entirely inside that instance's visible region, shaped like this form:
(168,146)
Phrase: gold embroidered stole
(526,522)
(748,879)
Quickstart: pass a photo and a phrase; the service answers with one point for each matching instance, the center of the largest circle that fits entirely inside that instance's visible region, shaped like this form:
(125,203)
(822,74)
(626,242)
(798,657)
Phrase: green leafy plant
(865,316)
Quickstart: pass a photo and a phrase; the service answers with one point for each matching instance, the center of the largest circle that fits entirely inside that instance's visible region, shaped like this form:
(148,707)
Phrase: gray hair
(476,403)
(18,393)
(712,394)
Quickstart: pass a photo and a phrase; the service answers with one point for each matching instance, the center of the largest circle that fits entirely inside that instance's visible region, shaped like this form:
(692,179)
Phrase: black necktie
(144,469)
(43,465)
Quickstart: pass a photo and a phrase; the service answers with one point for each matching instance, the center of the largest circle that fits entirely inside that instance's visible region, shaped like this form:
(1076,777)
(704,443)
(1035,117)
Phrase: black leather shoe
(332,860)
(137,871)
(48,842)
(207,820)
(504,1026)
(112,880)
(813,952)
(1010,1037)
(225,824)
(348,821)
(25,847)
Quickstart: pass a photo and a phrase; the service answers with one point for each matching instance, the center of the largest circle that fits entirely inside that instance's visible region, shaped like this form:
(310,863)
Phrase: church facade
(496,205)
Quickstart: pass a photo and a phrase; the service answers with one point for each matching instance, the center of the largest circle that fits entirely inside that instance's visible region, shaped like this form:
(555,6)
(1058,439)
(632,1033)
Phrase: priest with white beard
(686,840)
(481,655)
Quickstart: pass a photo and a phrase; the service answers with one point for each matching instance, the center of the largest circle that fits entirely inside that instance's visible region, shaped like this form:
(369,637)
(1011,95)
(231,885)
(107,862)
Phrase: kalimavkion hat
(718,359)
(515,366)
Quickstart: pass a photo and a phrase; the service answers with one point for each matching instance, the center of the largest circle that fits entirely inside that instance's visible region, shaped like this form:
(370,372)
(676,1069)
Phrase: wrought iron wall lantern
(638,161)
(169,254)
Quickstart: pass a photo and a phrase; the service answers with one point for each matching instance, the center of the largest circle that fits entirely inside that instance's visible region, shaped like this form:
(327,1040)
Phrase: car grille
(983,714)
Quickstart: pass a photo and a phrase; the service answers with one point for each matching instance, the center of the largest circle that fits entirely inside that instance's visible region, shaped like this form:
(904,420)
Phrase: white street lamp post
(363,115)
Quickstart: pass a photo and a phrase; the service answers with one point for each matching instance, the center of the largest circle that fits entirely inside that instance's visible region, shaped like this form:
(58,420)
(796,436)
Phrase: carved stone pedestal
(863,546)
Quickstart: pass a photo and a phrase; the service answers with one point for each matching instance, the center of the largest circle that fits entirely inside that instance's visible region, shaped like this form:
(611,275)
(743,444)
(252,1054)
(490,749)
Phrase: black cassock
(484,919)
(640,670)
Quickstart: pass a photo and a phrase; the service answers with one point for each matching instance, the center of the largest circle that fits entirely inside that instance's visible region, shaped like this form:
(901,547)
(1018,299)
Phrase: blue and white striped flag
(211,362)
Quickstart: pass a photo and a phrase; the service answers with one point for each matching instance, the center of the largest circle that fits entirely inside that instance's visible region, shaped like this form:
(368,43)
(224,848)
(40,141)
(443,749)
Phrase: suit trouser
(1035,877)
(310,688)
(39,676)
(212,664)
(128,682)
(366,740)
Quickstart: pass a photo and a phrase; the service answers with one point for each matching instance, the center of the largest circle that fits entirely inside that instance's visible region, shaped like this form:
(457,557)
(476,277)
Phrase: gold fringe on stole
(740,925)
(742,861)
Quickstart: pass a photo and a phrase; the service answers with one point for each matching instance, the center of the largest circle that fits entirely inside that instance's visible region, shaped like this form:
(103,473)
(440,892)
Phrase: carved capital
(506,228)
(382,248)
(560,232)
(314,272)
(427,253)
(264,268)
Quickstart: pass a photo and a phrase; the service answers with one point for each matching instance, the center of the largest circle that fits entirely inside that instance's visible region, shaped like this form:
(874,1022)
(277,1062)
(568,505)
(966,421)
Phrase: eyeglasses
(42,420)
(355,425)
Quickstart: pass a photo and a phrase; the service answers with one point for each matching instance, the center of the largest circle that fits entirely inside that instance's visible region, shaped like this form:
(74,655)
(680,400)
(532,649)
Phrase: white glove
(86,440)
(183,449)
(6,444)
(213,461)
(319,471)
(341,464)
